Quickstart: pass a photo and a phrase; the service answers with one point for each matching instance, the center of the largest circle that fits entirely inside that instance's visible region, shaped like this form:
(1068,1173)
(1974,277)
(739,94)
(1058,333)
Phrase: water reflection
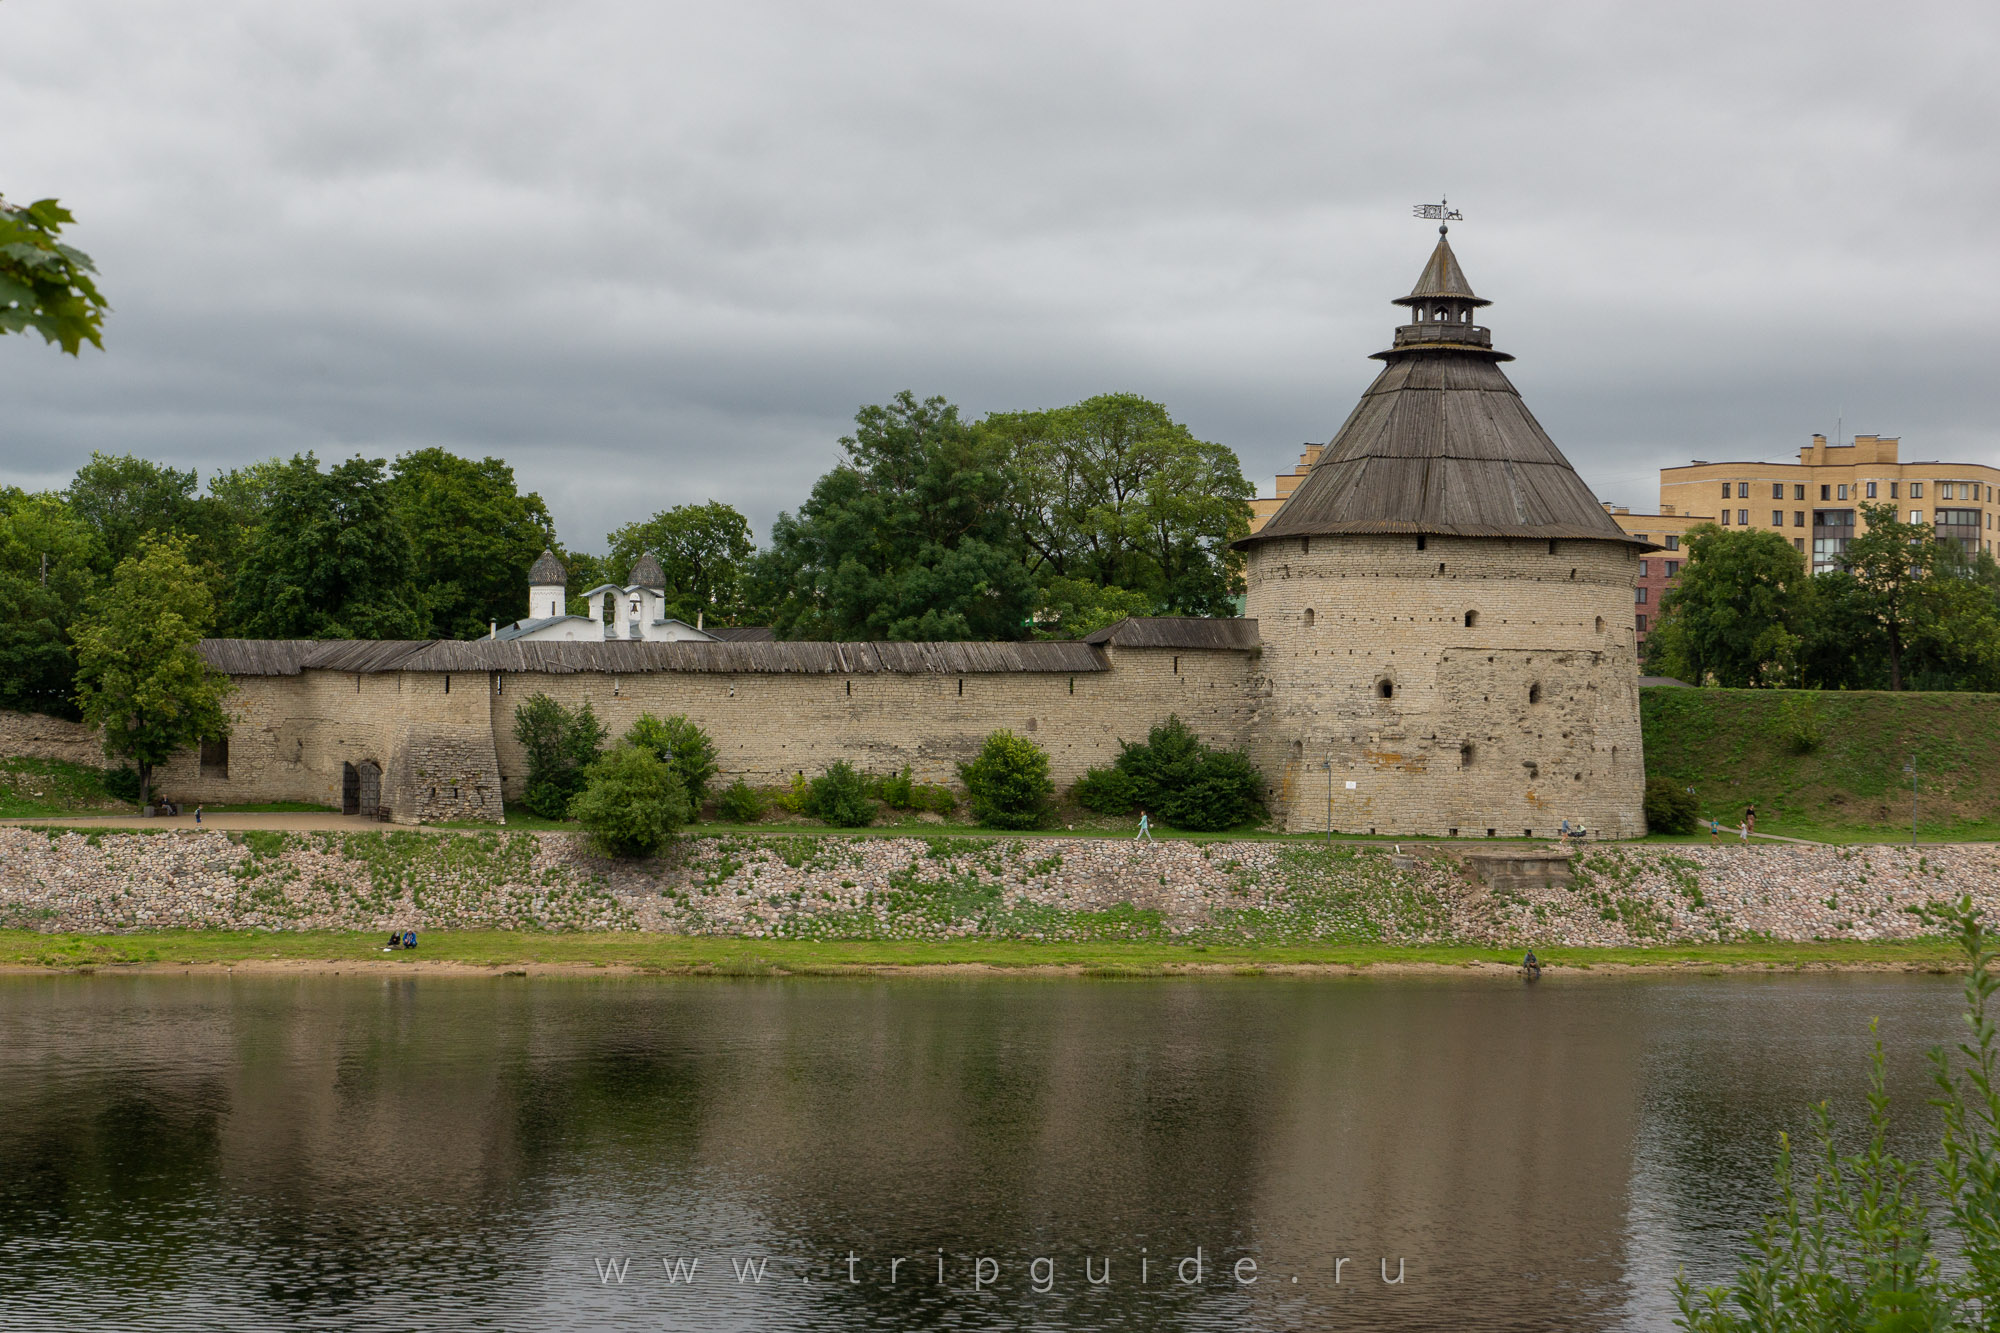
(357,1153)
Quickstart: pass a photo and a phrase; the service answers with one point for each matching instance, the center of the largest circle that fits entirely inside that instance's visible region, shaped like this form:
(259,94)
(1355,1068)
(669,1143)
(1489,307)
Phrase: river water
(370,1153)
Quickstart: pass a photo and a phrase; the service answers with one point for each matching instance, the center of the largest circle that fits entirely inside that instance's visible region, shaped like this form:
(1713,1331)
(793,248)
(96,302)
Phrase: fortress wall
(768,727)
(292,736)
(1458,747)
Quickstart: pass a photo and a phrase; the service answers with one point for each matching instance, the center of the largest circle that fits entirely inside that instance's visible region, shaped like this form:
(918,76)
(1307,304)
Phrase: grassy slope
(1730,746)
(35,787)
(742,957)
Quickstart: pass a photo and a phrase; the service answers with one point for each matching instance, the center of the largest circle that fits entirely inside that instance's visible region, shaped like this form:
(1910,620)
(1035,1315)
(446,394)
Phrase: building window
(1843,492)
(1644,565)
(1962,526)
(1892,490)
(1798,492)
(1673,569)
(1725,490)
(1916,490)
(1916,516)
(1777,518)
(1777,490)
(1742,518)
(1798,518)
(1832,530)
(1673,542)
(1826,492)
(215,758)
(1639,594)
(1871,490)
(1725,518)
(1639,619)
(1742,490)
(1799,545)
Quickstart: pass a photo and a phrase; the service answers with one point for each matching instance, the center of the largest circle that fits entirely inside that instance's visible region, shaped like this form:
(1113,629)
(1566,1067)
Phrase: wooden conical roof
(1441,444)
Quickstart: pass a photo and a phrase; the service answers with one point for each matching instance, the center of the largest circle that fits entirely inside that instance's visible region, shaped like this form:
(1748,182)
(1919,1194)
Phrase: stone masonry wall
(768,727)
(292,737)
(826,887)
(1512,685)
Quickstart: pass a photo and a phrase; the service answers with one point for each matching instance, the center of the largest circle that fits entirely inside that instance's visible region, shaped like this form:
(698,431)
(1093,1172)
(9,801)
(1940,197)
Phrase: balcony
(1441,331)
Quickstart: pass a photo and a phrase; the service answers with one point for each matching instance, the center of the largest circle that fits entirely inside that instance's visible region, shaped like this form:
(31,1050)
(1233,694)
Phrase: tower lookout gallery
(1439,641)
(1445,609)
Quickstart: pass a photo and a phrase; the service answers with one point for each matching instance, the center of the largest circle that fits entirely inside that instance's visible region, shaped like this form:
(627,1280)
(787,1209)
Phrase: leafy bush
(898,792)
(561,743)
(1670,807)
(795,797)
(631,803)
(1799,722)
(840,797)
(1105,790)
(1856,1245)
(1009,782)
(684,745)
(122,783)
(1189,785)
(741,803)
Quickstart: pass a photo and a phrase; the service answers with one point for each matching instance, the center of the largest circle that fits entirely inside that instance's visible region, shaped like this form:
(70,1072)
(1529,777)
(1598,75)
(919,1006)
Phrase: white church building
(635,610)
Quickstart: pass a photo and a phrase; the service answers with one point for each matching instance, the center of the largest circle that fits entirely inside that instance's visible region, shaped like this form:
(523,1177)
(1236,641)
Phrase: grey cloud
(654,254)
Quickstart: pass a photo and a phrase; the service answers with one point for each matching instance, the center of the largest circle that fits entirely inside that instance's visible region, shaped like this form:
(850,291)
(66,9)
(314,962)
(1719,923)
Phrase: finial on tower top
(1441,210)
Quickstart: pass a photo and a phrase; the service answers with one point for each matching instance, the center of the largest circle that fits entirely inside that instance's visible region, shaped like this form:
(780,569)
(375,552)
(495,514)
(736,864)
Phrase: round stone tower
(1446,609)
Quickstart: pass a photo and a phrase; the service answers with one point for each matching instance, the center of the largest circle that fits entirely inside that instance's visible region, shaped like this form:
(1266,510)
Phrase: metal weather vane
(1441,212)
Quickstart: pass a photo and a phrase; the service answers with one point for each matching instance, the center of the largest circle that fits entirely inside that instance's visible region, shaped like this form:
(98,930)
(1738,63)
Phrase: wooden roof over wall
(1178,632)
(288,657)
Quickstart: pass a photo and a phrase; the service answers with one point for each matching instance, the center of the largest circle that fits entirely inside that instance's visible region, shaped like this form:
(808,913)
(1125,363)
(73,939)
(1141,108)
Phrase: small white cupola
(547,584)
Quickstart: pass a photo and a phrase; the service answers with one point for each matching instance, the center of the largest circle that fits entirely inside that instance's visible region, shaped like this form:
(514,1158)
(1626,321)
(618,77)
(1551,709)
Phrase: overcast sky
(655,254)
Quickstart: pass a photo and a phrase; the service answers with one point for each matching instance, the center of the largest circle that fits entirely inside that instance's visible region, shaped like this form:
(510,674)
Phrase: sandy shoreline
(418,967)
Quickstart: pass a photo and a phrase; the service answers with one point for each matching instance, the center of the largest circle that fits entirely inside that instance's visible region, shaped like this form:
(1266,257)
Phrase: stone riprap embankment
(824,887)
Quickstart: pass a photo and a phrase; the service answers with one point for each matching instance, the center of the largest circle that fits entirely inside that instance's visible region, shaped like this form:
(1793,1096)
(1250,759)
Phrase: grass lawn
(32,788)
(1738,746)
(742,957)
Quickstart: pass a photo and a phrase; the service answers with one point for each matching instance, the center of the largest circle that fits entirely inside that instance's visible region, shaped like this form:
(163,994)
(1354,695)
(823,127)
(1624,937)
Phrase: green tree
(473,535)
(561,743)
(123,500)
(910,538)
(1735,617)
(1073,607)
(705,552)
(682,745)
(1188,784)
(1900,568)
(1114,491)
(46,578)
(1008,782)
(46,285)
(585,572)
(331,559)
(139,677)
(631,803)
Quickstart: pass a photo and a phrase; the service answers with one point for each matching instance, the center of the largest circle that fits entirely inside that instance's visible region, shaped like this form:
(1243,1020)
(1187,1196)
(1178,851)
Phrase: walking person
(1750,817)
(197,815)
(1145,829)
(1743,832)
